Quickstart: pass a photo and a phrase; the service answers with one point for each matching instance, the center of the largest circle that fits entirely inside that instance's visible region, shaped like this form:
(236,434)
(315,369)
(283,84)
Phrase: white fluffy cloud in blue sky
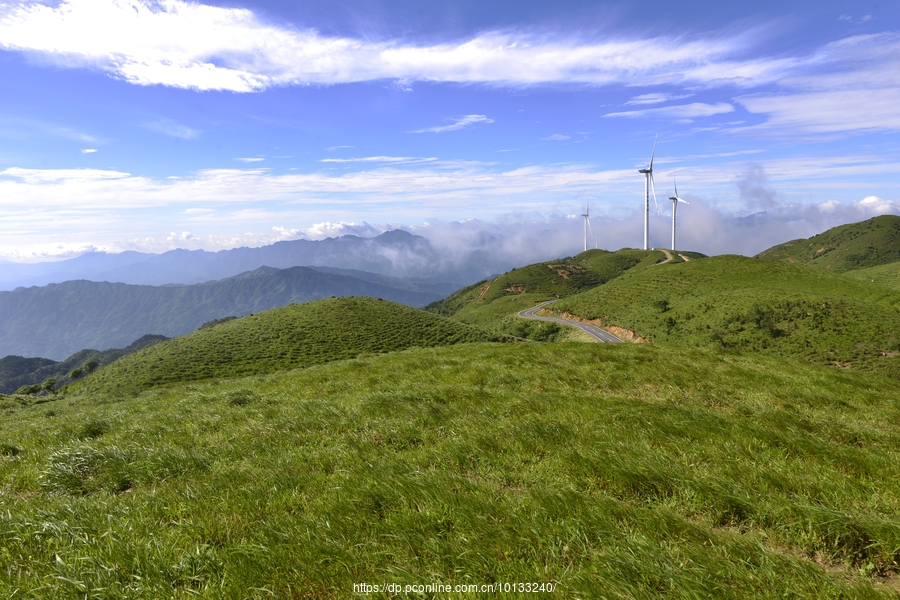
(124,119)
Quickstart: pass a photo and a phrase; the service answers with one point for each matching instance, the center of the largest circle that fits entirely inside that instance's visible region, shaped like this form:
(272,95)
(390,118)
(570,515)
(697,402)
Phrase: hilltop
(294,336)
(59,319)
(844,248)
(756,306)
(492,304)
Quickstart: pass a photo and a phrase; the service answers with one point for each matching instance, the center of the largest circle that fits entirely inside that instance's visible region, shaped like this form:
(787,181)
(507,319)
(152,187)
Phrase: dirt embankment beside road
(620,332)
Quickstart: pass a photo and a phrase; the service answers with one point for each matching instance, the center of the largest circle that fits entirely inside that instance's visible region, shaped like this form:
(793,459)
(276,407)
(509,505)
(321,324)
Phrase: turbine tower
(587,226)
(648,185)
(675,200)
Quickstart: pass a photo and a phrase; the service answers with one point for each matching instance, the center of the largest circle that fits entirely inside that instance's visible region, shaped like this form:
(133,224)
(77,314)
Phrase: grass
(845,248)
(284,338)
(754,306)
(626,471)
(885,275)
(492,305)
(543,281)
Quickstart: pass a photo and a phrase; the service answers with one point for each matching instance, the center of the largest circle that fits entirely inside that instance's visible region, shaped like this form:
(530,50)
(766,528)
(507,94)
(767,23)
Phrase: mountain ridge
(395,253)
(56,320)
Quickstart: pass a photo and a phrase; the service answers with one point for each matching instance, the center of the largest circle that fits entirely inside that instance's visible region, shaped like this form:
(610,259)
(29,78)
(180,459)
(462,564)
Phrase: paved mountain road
(592,330)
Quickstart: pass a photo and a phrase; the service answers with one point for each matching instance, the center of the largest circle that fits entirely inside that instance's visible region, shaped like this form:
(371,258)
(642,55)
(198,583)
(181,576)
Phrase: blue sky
(149,126)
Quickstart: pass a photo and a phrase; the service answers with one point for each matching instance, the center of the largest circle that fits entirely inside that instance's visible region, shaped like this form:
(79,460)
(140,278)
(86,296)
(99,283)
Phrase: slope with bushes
(492,305)
(753,305)
(844,248)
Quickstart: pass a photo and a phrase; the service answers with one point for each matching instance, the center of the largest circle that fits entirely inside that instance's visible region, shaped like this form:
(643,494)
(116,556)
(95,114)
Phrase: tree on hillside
(91,366)
(76,373)
(48,384)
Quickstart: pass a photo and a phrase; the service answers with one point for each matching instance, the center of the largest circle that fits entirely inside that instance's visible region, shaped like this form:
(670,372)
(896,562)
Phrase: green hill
(59,319)
(753,305)
(627,471)
(492,304)
(844,248)
(294,336)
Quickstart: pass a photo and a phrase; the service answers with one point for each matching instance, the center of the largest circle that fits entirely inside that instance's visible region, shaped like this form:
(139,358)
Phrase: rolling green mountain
(493,304)
(293,336)
(753,305)
(16,371)
(56,320)
(626,471)
(845,248)
(556,278)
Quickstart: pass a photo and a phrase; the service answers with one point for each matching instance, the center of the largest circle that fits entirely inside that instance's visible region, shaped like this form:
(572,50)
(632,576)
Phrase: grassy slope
(885,275)
(754,305)
(492,305)
(615,471)
(855,246)
(284,338)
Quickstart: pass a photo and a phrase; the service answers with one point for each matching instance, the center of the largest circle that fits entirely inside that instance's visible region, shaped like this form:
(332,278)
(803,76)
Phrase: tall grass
(614,471)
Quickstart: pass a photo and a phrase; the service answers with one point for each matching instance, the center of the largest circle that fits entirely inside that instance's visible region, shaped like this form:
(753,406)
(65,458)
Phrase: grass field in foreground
(626,471)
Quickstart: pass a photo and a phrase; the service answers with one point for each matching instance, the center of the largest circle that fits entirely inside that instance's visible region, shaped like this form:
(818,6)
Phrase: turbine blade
(680,200)
(653,185)
(676,187)
(591,231)
(654,152)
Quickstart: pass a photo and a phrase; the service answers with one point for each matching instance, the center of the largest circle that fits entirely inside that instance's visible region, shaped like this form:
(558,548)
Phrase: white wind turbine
(587,227)
(648,185)
(675,200)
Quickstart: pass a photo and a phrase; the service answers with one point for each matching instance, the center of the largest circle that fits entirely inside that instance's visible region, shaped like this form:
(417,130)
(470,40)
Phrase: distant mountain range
(394,253)
(59,319)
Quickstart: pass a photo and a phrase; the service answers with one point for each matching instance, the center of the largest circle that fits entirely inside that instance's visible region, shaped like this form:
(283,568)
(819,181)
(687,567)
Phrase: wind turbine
(675,200)
(587,226)
(648,185)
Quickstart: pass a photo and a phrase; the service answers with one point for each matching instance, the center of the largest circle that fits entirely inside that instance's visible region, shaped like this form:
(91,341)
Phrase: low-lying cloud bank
(701,228)
(519,239)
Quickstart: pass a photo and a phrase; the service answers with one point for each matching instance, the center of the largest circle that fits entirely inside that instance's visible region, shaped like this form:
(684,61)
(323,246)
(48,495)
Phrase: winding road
(592,330)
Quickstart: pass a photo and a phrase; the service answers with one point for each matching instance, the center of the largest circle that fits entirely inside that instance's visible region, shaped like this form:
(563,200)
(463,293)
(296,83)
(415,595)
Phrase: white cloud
(379,159)
(655,98)
(195,46)
(250,160)
(231,207)
(556,137)
(88,150)
(173,129)
(846,90)
(458,123)
(41,176)
(683,112)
